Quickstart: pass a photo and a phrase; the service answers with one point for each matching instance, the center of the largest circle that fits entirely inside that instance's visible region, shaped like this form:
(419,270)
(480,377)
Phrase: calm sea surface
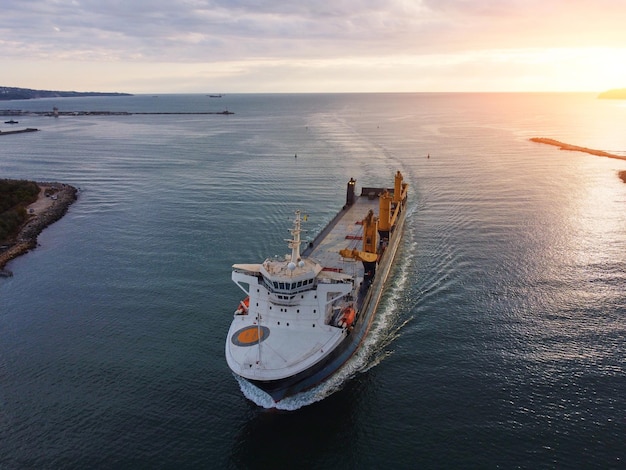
(500,343)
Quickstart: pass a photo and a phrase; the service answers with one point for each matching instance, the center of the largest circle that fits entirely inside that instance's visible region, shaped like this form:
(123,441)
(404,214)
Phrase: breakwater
(19,131)
(57,113)
(576,148)
(58,198)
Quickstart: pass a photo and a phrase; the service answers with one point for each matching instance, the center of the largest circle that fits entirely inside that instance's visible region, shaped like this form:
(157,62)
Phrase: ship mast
(294,242)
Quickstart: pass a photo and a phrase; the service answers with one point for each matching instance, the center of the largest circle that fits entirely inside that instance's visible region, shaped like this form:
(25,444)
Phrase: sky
(284,46)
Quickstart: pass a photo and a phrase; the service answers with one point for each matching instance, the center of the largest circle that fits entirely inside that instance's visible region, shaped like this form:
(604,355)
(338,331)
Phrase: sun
(586,69)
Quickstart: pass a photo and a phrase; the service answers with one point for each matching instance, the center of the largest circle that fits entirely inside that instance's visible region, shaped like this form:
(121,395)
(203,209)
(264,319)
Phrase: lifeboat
(243,307)
(347,317)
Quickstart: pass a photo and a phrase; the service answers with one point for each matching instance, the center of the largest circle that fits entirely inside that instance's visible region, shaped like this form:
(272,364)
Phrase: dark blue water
(500,342)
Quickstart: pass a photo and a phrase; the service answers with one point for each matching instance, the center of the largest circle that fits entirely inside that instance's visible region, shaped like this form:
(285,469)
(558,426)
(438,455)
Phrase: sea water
(500,341)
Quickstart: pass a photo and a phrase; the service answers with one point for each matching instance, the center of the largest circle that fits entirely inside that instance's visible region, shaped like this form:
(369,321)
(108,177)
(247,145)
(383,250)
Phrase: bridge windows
(289,287)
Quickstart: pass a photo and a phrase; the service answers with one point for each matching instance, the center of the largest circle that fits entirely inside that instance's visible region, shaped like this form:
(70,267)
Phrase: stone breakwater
(18,131)
(576,148)
(19,112)
(58,199)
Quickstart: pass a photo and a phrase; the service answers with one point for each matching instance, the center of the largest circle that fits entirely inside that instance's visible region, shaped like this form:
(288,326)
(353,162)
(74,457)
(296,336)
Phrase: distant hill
(12,93)
(615,94)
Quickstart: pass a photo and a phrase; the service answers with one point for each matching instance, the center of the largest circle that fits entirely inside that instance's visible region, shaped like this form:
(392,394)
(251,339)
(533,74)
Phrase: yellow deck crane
(370,241)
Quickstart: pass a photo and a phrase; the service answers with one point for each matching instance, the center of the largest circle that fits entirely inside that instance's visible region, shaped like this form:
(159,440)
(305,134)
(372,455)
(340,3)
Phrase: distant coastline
(14,93)
(615,94)
(52,203)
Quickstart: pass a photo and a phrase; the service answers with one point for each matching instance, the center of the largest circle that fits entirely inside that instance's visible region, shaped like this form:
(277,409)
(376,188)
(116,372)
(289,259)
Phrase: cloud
(297,39)
(194,31)
(183,31)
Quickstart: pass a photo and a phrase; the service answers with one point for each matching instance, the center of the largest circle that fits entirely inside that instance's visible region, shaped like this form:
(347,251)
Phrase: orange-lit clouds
(298,46)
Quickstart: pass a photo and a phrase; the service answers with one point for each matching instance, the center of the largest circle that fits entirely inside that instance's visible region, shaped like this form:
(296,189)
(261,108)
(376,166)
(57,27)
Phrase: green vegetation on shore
(20,228)
(15,196)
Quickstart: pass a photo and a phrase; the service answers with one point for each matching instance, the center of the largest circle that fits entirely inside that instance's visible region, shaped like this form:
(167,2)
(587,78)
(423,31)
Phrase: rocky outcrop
(62,196)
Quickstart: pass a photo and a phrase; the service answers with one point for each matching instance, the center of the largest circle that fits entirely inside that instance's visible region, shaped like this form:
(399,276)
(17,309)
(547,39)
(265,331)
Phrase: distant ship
(305,315)
(12,121)
(215,96)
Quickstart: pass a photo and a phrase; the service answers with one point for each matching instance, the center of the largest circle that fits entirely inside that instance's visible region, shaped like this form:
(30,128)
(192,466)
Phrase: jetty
(18,131)
(576,148)
(57,113)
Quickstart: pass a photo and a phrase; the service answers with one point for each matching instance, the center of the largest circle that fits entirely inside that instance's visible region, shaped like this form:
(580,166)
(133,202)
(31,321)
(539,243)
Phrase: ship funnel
(350,193)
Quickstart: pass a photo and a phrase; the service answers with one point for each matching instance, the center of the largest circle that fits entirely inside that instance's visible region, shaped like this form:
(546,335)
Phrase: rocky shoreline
(57,198)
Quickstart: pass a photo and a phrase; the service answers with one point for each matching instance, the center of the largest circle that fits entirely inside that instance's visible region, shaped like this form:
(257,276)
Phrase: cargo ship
(302,316)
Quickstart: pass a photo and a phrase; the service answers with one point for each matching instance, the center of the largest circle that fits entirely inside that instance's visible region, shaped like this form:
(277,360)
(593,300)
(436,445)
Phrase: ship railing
(327,280)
